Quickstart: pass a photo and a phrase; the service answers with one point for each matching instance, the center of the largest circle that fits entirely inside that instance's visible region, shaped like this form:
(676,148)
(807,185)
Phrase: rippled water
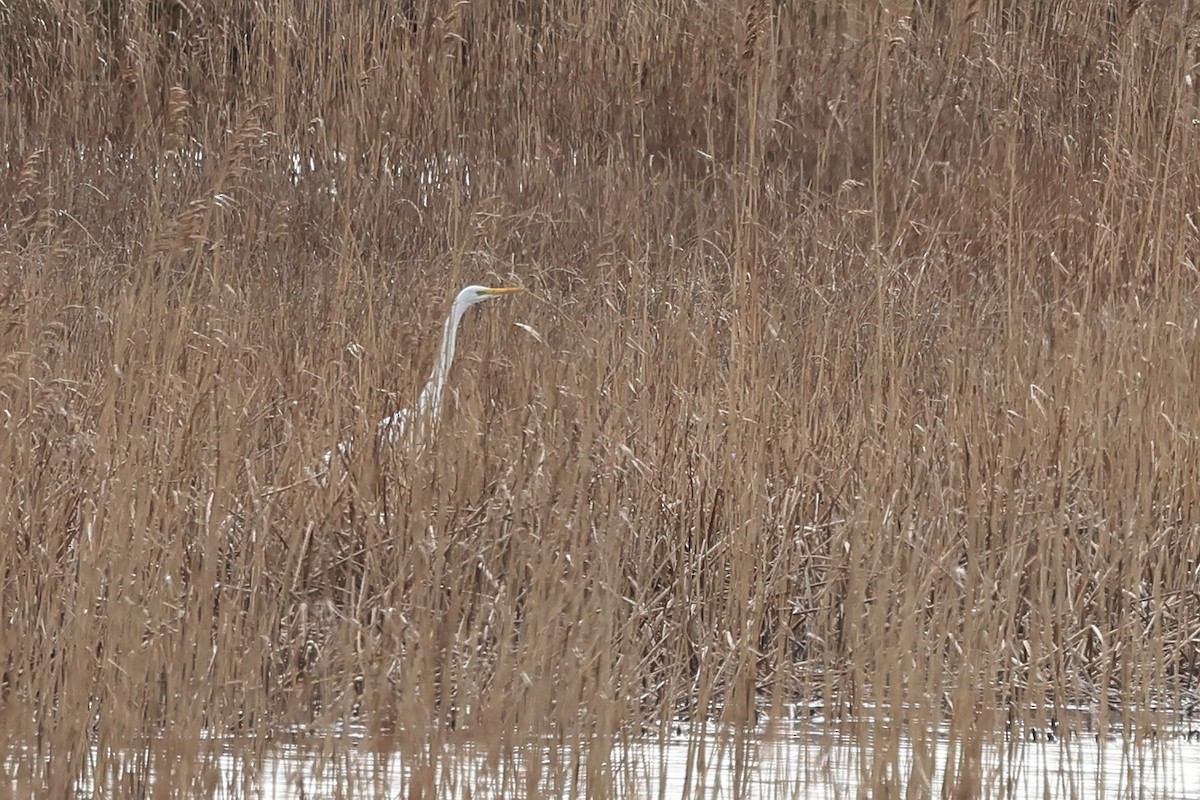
(814,763)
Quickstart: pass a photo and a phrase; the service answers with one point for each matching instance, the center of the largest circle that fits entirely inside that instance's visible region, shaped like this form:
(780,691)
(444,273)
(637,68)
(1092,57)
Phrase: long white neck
(431,397)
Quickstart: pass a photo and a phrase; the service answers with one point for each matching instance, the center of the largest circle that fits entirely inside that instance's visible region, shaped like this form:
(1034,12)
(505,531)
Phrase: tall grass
(867,376)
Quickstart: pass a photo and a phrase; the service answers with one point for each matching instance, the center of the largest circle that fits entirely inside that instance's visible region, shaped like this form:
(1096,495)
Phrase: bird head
(477,294)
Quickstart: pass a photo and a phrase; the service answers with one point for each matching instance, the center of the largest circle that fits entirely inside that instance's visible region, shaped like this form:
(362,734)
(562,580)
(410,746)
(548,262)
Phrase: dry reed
(868,377)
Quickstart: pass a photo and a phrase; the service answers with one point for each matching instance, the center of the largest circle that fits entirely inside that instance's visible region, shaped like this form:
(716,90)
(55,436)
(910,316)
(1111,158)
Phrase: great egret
(412,424)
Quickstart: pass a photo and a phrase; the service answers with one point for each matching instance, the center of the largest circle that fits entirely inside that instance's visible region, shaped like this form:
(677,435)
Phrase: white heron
(412,424)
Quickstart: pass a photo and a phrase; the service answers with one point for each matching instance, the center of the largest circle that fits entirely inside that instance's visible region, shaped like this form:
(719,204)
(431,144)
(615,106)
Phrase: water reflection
(814,762)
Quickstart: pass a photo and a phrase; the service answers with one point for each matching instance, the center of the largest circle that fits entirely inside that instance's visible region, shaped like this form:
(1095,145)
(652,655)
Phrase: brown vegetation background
(863,374)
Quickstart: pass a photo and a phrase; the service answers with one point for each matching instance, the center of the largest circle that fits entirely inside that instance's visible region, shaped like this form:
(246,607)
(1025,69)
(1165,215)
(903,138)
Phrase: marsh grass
(867,378)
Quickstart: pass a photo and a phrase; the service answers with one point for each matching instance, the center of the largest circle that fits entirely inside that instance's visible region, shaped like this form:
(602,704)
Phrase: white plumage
(413,425)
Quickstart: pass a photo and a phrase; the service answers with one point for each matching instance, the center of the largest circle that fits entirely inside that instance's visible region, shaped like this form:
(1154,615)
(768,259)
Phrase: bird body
(413,425)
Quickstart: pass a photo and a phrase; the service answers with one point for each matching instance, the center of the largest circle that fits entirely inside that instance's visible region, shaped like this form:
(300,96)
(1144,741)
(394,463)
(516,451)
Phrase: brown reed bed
(863,371)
